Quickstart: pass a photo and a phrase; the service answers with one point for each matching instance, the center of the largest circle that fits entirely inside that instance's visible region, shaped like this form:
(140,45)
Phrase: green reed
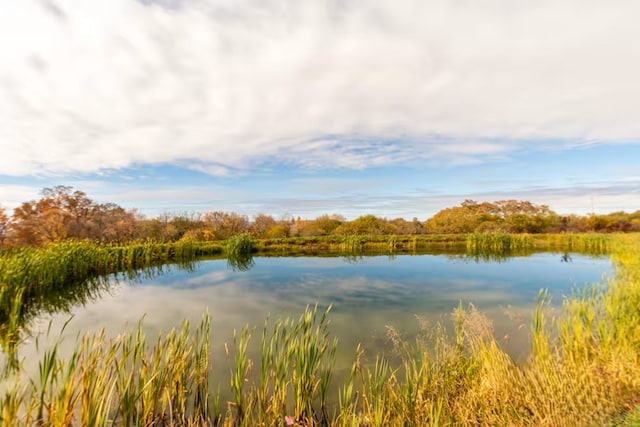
(338,244)
(596,243)
(296,366)
(119,381)
(352,244)
(498,242)
(240,262)
(392,243)
(56,265)
(239,245)
(239,249)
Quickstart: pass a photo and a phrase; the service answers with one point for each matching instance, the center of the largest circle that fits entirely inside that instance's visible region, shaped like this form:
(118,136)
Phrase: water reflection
(17,318)
(240,261)
(368,293)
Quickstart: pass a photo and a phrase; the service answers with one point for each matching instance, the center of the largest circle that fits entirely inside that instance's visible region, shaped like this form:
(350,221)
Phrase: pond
(367,294)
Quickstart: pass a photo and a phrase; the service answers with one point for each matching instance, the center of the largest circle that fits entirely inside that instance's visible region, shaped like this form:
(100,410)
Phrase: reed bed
(492,244)
(352,245)
(124,381)
(296,365)
(57,265)
(239,245)
(129,381)
(596,243)
(360,243)
(476,243)
(238,250)
(498,242)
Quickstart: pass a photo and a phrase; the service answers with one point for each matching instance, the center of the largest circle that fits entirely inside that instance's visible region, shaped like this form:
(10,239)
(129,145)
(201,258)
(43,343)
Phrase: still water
(367,295)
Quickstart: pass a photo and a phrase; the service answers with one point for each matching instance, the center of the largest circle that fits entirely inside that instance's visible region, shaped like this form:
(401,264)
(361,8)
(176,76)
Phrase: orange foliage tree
(4,226)
(66,214)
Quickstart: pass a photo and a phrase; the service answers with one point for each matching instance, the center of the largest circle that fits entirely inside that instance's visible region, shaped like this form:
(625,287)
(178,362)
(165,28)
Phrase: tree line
(64,213)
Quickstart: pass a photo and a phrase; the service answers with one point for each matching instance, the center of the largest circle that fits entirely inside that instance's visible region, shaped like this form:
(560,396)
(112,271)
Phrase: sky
(303,107)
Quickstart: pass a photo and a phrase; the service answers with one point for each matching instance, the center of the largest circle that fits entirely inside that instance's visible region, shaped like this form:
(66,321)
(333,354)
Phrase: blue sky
(304,107)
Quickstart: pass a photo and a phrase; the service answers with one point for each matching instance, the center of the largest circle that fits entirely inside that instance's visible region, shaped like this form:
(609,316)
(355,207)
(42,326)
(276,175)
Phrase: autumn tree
(304,228)
(261,225)
(526,217)
(62,213)
(613,222)
(112,223)
(366,224)
(4,226)
(462,219)
(504,215)
(75,210)
(150,229)
(185,222)
(402,226)
(170,227)
(278,231)
(327,224)
(634,219)
(36,223)
(226,224)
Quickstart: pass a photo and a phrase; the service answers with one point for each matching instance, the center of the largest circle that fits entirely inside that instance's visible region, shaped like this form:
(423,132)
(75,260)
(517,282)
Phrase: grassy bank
(501,242)
(359,243)
(497,243)
(34,279)
(584,369)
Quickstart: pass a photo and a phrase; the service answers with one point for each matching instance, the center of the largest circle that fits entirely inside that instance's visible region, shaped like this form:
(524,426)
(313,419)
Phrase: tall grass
(240,244)
(498,242)
(476,244)
(492,245)
(124,381)
(351,245)
(35,269)
(596,243)
(238,249)
(358,244)
(130,381)
(296,363)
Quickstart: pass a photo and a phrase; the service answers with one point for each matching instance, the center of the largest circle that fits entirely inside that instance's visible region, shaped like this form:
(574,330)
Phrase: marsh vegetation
(582,369)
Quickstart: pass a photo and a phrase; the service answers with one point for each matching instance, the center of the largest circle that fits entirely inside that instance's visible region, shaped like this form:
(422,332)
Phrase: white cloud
(310,197)
(87,84)
(14,195)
